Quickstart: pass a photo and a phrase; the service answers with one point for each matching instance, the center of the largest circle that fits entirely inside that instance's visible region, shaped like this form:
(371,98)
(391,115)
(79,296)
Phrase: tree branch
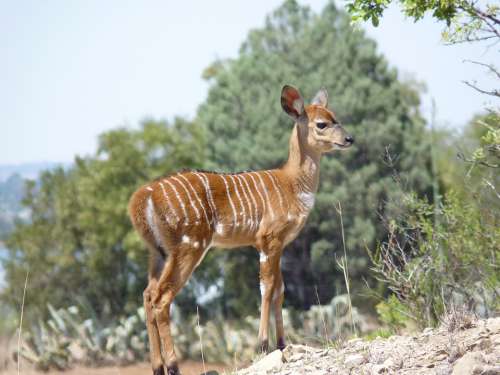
(489,66)
(495,93)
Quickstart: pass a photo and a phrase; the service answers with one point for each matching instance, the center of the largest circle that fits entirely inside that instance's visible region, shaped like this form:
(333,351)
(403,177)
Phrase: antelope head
(318,126)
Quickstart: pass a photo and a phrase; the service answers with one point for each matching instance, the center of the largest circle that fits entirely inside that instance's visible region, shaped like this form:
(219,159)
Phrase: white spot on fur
(262,257)
(185,239)
(262,289)
(307,199)
(196,244)
(219,228)
(290,217)
(149,188)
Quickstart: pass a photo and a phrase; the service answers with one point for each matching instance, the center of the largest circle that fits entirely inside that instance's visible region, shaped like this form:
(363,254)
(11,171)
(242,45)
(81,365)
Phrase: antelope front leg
(278,297)
(269,276)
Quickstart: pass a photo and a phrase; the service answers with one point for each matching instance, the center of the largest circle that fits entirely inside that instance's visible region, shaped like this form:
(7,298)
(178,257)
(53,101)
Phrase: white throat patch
(306,199)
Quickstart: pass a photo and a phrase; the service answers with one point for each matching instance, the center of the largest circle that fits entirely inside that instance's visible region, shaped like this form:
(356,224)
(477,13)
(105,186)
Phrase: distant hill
(26,170)
(12,180)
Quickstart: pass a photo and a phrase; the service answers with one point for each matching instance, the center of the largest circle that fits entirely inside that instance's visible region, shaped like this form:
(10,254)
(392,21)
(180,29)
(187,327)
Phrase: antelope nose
(349,139)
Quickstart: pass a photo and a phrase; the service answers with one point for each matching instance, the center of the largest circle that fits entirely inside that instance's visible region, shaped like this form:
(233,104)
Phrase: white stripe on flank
(266,194)
(189,197)
(242,207)
(185,239)
(254,202)
(277,188)
(181,202)
(150,218)
(260,194)
(169,206)
(262,257)
(206,183)
(235,218)
(197,198)
(247,201)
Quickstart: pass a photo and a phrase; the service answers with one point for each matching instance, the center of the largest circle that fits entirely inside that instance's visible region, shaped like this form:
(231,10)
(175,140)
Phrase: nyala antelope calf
(180,217)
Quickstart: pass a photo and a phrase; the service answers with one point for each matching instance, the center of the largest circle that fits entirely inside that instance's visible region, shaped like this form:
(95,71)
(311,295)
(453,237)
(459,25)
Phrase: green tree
(79,244)
(247,130)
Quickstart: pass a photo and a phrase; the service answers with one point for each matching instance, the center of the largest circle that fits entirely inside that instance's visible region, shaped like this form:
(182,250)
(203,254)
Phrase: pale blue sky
(72,69)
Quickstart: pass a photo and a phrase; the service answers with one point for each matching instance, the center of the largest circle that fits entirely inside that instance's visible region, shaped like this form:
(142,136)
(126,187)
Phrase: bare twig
(201,341)
(21,325)
(489,66)
(345,270)
(322,315)
(491,93)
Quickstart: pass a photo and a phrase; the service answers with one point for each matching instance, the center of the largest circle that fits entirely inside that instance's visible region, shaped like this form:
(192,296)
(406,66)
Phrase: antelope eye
(321,125)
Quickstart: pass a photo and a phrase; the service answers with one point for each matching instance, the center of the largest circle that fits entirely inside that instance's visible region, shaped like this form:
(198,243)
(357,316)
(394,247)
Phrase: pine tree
(246,129)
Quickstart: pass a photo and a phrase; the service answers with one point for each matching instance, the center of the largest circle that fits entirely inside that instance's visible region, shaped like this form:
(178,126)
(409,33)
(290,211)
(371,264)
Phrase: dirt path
(187,368)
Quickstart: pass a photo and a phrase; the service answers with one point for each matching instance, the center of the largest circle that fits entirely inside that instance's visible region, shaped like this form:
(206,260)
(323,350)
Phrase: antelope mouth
(342,145)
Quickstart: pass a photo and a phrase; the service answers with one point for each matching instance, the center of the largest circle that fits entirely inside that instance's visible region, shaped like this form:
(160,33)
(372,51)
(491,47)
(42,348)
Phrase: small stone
(466,364)
(379,369)
(389,363)
(272,361)
(427,331)
(354,360)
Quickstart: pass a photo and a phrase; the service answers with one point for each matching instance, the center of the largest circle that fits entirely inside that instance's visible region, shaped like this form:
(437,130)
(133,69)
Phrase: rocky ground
(463,346)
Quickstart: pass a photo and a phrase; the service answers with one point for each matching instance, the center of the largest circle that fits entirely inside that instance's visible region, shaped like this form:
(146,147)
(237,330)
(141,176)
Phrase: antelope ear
(321,98)
(292,102)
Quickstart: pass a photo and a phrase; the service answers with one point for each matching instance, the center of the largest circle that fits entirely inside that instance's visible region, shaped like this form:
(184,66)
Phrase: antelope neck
(302,165)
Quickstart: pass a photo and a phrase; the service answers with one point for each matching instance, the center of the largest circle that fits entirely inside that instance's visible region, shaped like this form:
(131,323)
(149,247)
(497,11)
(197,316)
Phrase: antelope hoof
(173,369)
(281,344)
(264,346)
(159,371)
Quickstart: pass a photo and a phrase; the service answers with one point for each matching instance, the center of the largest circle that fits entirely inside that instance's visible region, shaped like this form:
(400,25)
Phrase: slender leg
(269,268)
(278,297)
(173,277)
(154,337)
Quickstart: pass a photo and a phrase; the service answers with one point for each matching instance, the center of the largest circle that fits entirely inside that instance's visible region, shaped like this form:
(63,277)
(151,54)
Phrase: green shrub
(436,259)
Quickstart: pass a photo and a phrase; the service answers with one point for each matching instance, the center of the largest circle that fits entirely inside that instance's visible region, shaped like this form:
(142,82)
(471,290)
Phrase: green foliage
(79,244)
(487,154)
(11,193)
(67,337)
(392,312)
(437,259)
(465,20)
(246,129)
(76,336)
(373,9)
